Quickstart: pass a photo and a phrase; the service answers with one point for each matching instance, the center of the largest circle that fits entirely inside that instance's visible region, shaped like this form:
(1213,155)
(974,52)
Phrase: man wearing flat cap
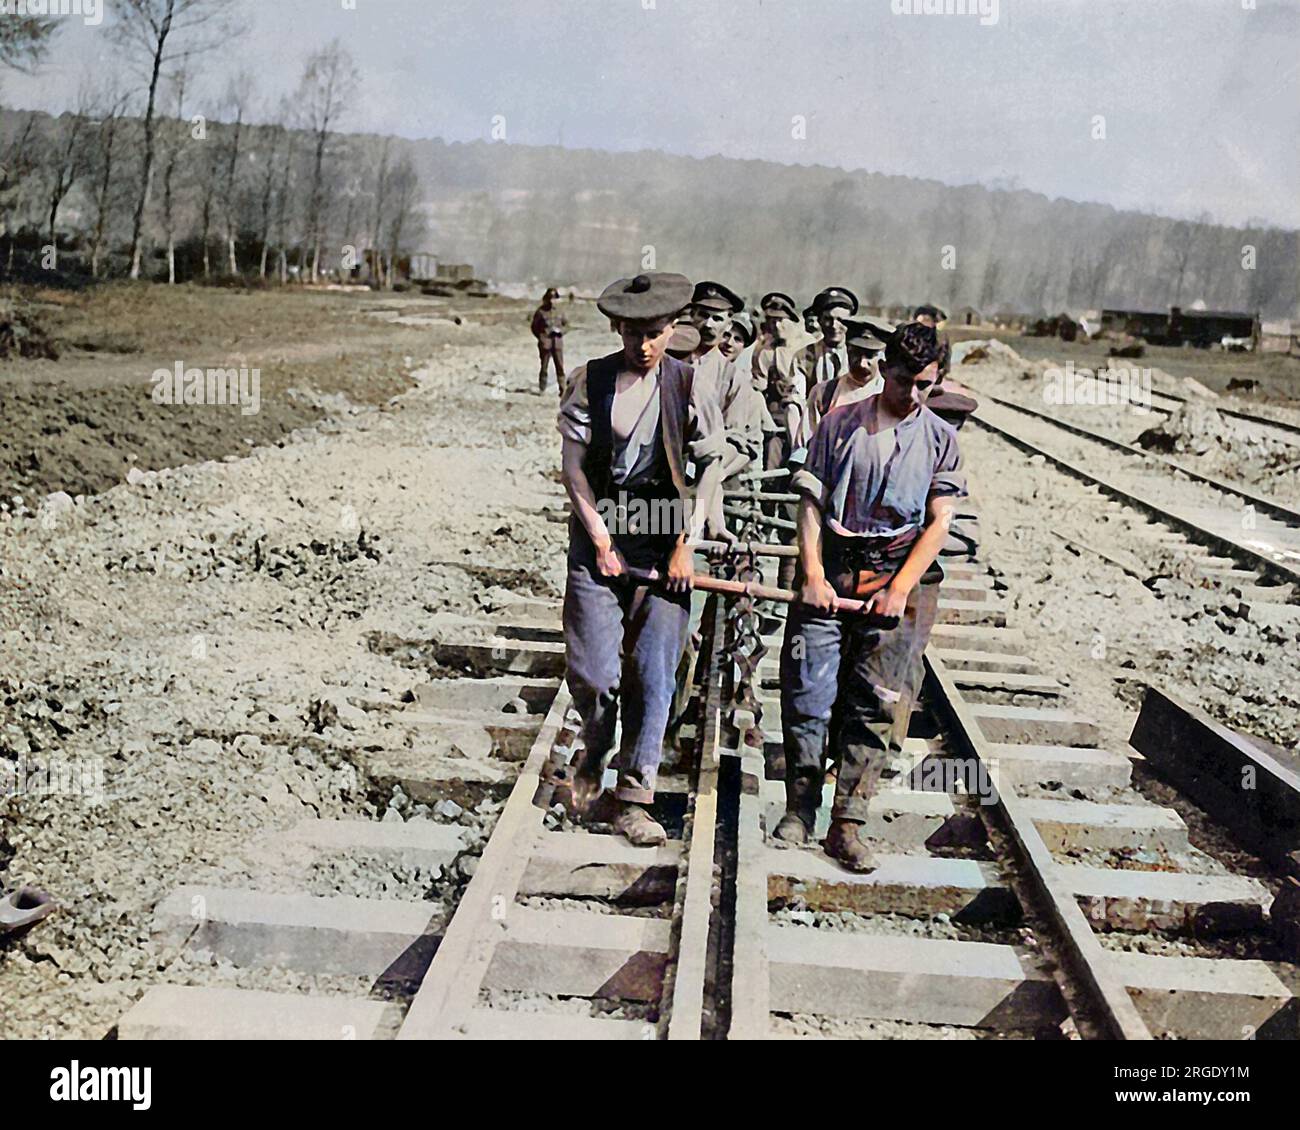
(878,490)
(548,326)
(632,425)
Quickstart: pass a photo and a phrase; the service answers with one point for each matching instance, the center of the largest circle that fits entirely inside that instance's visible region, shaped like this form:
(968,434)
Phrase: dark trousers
(623,642)
(847,691)
(551,349)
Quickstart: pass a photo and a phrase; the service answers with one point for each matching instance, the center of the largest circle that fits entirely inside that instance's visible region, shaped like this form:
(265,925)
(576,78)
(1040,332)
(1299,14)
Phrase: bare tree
(273,143)
(210,176)
(406,221)
(172,145)
(24,39)
(282,210)
(158,33)
(381,201)
(113,105)
(236,102)
(18,161)
(68,158)
(1182,236)
(329,83)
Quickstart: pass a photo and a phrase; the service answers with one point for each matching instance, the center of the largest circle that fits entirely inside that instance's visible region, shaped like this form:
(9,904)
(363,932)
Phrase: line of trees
(150,174)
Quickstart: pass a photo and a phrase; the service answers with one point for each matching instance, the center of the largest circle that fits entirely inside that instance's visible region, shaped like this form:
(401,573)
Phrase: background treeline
(583,216)
(150,173)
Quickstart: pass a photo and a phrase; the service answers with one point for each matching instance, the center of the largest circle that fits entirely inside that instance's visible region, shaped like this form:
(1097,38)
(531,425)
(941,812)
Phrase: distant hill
(582,217)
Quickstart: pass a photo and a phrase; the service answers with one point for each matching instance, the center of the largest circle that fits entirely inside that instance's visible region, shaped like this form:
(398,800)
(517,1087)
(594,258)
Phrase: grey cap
(647,297)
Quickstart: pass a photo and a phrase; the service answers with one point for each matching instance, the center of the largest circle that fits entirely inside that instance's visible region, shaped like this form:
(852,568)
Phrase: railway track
(1025,888)
(1282,431)
(1257,539)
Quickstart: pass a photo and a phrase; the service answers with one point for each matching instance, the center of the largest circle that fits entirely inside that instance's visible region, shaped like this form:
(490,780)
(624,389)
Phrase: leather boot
(802,795)
(639,826)
(844,843)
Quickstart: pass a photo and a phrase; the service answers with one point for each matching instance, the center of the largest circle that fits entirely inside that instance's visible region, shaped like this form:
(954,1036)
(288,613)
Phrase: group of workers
(697,395)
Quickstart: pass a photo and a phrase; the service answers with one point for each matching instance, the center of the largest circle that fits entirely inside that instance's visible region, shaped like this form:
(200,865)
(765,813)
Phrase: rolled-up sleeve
(812,480)
(706,434)
(948,479)
(744,420)
(574,420)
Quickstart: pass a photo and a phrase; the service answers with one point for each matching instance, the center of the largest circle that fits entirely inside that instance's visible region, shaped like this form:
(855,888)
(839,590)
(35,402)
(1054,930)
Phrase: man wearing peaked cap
(632,423)
(712,308)
(860,378)
(784,389)
(775,304)
(548,326)
(827,359)
(776,371)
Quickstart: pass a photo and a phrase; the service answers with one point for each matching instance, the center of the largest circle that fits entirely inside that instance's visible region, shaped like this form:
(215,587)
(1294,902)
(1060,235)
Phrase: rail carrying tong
(706,583)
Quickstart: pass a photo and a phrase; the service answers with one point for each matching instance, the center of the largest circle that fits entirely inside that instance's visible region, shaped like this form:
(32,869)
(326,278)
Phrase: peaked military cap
(775,301)
(835,296)
(647,297)
(715,296)
(863,335)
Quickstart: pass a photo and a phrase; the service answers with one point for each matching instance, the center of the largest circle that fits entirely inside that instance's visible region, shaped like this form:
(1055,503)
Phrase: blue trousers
(847,690)
(622,642)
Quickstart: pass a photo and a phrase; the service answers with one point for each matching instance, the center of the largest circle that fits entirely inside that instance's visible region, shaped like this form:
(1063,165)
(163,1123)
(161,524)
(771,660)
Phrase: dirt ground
(199,647)
(315,351)
(202,644)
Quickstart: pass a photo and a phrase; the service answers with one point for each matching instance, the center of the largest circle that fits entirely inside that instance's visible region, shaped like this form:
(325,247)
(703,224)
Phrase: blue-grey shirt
(876,484)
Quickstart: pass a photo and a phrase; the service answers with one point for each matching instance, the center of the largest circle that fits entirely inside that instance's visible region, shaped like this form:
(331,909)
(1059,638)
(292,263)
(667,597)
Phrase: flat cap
(951,405)
(863,335)
(929,311)
(685,339)
(776,302)
(835,296)
(746,327)
(715,296)
(648,296)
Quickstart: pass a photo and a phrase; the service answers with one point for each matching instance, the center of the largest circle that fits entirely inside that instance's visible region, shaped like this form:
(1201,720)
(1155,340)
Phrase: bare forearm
(810,540)
(924,551)
(708,500)
(583,498)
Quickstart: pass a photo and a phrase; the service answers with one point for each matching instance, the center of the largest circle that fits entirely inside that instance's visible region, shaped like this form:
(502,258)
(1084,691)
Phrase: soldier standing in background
(549,324)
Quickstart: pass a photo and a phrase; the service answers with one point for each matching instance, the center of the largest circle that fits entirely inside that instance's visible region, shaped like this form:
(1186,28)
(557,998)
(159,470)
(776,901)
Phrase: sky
(1181,107)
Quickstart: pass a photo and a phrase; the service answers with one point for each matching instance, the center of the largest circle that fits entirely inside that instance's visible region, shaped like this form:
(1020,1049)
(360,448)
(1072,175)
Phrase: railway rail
(1025,888)
(1257,539)
(1283,431)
